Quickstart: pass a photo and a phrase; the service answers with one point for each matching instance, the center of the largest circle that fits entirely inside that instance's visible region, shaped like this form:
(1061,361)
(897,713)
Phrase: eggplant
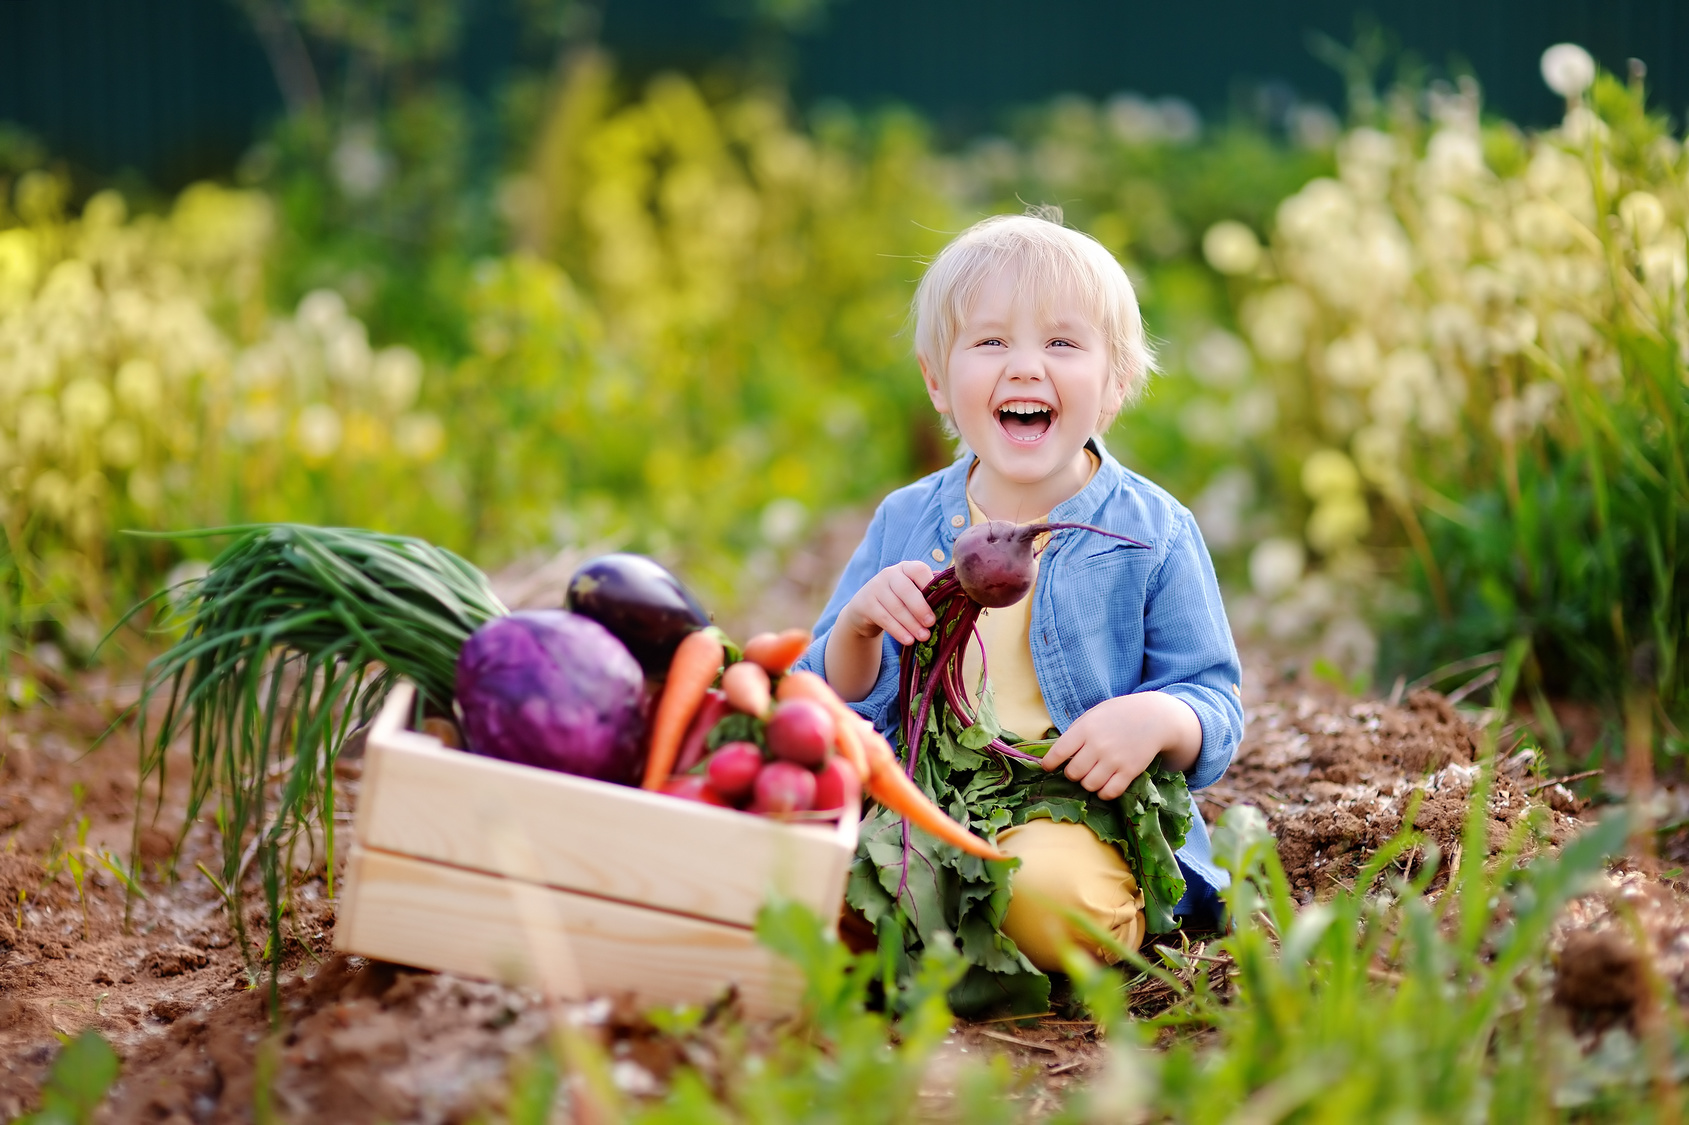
(642,604)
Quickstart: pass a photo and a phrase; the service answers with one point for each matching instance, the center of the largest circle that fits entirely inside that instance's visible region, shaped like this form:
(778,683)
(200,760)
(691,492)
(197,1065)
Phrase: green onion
(292,637)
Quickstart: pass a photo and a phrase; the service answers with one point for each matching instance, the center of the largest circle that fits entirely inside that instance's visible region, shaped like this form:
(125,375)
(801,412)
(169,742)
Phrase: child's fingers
(914,577)
(1115,786)
(1065,747)
(1095,778)
(899,619)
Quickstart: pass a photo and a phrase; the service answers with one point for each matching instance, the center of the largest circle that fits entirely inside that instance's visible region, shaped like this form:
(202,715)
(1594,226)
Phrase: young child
(1029,339)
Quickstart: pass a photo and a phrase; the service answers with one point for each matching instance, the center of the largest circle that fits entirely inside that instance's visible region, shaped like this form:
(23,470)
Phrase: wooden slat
(421,799)
(401,909)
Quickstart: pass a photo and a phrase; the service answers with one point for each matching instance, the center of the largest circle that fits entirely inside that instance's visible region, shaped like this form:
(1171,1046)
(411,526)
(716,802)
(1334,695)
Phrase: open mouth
(1025,421)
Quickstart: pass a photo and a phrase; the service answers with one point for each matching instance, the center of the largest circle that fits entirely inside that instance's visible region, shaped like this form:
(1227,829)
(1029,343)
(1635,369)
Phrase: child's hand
(892,602)
(1111,744)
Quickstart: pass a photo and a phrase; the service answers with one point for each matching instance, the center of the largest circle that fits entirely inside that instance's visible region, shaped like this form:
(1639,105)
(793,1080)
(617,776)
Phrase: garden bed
(362,1041)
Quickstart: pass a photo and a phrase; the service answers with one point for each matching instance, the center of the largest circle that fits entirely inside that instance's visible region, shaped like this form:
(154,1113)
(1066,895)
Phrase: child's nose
(1025,363)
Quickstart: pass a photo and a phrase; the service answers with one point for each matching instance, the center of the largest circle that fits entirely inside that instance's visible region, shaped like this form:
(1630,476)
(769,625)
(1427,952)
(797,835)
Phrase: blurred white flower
(1568,69)
(120,445)
(1180,122)
(1219,358)
(86,403)
(346,351)
(1231,247)
(360,166)
(1313,126)
(51,494)
(1643,215)
(397,376)
(139,387)
(1352,360)
(1664,266)
(145,491)
(1378,452)
(1254,412)
(1133,119)
(1205,422)
(420,437)
(1328,473)
(1453,159)
(1277,322)
(783,520)
(1219,508)
(1365,158)
(320,310)
(1514,418)
(1275,565)
(317,432)
(38,425)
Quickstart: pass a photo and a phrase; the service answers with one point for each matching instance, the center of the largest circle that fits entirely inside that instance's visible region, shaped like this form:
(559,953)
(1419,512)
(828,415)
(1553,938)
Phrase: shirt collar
(1078,508)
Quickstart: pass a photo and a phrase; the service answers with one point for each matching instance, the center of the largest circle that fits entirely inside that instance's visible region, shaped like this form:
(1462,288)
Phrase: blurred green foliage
(1423,376)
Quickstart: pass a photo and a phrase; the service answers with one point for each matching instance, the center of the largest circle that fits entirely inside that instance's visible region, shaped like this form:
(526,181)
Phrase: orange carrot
(693,669)
(746,686)
(891,787)
(882,775)
(777,652)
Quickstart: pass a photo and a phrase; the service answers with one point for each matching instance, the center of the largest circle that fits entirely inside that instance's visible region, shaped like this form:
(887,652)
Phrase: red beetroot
(783,787)
(801,731)
(733,769)
(694,787)
(837,786)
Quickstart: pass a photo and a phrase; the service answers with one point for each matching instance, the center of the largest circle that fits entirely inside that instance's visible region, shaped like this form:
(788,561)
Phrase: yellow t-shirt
(1008,651)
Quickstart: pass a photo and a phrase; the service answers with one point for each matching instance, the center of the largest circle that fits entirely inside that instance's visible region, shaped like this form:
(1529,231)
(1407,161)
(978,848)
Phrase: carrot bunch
(762,685)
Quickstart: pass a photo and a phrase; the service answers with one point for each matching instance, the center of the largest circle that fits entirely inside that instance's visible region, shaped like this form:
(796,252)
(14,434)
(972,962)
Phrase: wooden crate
(498,870)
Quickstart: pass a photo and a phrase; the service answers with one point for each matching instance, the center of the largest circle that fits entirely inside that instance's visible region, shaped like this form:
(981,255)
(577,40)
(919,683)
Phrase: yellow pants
(1066,870)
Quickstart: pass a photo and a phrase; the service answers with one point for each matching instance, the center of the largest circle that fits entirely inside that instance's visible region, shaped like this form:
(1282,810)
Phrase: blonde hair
(1048,258)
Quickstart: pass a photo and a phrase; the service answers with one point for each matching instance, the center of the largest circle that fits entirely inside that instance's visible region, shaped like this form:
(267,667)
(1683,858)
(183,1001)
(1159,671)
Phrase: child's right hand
(891,602)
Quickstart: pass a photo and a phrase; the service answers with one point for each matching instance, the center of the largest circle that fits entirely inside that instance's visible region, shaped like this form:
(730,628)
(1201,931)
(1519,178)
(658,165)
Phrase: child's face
(1025,386)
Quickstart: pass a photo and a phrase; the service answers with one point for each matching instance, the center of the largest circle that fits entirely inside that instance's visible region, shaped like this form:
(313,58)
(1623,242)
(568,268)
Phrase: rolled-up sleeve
(880,702)
(1189,652)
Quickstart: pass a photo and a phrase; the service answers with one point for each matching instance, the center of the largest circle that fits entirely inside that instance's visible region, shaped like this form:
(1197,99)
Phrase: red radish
(694,787)
(801,731)
(733,769)
(747,689)
(783,787)
(837,786)
(710,712)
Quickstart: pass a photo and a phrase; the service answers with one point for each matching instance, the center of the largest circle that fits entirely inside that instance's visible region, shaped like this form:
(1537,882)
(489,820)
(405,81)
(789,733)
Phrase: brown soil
(1336,775)
(355,1041)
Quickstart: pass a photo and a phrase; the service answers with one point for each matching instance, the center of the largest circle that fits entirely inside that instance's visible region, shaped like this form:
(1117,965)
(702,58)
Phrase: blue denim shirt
(1107,619)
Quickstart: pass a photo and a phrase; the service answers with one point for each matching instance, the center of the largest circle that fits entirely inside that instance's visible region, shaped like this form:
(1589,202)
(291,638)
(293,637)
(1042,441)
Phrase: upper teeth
(1026,408)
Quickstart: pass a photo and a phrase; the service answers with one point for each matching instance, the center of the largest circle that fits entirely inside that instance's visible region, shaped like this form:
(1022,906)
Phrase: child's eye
(1062,343)
(992,342)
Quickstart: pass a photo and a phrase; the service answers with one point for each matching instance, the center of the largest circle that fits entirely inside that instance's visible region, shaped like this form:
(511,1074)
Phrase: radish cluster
(771,759)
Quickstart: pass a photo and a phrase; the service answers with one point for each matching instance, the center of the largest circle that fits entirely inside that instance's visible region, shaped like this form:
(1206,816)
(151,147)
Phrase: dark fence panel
(176,89)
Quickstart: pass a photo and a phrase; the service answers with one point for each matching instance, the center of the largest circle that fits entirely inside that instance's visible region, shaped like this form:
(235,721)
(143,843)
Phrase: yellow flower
(1338,521)
(1328,473)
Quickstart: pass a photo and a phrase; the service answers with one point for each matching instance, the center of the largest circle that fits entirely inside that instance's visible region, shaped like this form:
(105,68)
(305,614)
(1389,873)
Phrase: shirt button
(956,521)
(937,554)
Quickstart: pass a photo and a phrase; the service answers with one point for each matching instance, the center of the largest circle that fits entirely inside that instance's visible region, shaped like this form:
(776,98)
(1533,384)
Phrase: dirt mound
(1336,776)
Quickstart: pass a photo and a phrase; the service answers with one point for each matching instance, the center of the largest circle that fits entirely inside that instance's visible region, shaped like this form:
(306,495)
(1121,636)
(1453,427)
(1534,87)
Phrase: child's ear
(935,390)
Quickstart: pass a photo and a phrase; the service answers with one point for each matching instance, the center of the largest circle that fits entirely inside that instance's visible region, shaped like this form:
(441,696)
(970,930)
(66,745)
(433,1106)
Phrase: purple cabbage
(556,690)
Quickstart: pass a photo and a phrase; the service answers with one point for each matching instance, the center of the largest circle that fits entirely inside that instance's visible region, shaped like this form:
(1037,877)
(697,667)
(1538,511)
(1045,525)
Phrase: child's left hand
(1111,744)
